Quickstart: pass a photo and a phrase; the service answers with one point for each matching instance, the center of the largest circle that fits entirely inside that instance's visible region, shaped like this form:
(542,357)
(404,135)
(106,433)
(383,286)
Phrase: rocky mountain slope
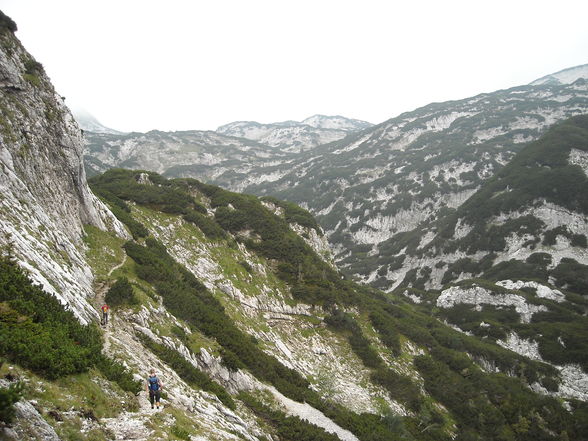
(293,136)
(202,154)
(243,146)
(566,76)
(237,304)
(376,187)
(518,250)
(45,200)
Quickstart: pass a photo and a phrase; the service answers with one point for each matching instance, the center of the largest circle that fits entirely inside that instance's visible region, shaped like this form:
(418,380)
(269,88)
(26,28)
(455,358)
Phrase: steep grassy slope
(418,360)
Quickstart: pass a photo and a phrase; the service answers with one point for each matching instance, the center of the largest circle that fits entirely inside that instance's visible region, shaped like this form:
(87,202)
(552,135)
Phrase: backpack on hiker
(153,383)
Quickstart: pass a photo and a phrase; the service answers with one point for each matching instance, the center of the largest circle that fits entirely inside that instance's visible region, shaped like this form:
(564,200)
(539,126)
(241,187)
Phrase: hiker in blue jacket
(154,388)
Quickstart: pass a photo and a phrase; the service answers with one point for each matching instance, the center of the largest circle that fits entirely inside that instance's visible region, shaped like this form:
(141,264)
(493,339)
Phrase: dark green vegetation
(495,406)
(294,214)
(187,372)
(118,186)
(8,396)
(121,293)
(38,333)
(400,387)
(470,393)
(6,23)
(485,406)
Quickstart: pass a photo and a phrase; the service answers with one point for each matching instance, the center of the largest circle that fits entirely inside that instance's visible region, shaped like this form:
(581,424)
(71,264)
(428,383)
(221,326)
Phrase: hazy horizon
(140,66)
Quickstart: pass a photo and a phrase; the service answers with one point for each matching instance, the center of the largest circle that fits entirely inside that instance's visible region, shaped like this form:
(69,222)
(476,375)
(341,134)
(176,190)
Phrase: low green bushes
(121,293)
(38,333)
(115,371)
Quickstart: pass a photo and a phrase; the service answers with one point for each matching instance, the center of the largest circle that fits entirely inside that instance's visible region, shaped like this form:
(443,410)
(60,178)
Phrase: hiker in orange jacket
(105,308)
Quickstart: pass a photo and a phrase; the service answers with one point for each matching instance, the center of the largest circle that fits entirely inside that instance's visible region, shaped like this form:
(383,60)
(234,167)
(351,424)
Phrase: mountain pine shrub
(121,293)
(8,396)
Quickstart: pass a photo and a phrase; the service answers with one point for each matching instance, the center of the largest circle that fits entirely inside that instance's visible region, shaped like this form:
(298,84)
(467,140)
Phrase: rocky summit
(471,216)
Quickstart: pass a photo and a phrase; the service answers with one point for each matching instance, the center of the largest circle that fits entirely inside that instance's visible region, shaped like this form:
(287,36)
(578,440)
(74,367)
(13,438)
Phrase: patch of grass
(87,391)
(104,250)
(183,426)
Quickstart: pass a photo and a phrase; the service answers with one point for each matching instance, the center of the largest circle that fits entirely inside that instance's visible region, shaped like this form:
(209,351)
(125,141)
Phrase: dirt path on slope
(101,291)
(128,425)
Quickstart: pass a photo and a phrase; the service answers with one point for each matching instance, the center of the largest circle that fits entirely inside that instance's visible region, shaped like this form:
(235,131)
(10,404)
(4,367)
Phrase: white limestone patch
(552,216)
(443,122)
(313,416)
(367,175)
(451,171)
(318,242)
(483,135)
(527,348)
(579,157)
(353,146)
(574,381)
(543,291)
(380,228)
(519,138)
(426,239)
(462,229)
(477,296)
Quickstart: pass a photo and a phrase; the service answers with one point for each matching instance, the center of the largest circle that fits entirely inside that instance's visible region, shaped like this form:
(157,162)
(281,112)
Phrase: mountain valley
(421,279)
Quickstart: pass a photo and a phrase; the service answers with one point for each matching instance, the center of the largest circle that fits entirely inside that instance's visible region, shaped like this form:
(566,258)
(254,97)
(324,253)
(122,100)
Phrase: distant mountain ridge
(88,122)
(293,136)
(200,154)
(565,76)
(237,147)
(370,190)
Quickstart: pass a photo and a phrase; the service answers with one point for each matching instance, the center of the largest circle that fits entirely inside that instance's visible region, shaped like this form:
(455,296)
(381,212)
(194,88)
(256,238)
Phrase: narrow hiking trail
(99,297)
(129,425)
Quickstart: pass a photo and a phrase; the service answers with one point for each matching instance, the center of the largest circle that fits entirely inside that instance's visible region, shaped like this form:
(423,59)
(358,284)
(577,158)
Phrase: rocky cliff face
(45,199)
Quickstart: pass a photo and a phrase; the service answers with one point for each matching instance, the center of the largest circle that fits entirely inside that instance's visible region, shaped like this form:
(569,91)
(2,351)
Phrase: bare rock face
(28,423)
(45,200)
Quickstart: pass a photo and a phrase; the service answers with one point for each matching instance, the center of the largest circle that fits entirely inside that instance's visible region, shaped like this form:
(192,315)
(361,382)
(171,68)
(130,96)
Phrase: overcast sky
(178,65)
